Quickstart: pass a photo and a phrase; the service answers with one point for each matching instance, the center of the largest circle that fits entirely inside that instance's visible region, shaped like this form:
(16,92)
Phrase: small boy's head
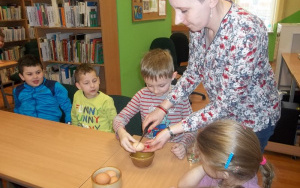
(157,69)
(2,36)
(31,70)
(87,80)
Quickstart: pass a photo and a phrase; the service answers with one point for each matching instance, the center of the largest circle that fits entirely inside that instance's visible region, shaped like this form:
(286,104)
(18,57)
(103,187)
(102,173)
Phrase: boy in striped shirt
(157,70)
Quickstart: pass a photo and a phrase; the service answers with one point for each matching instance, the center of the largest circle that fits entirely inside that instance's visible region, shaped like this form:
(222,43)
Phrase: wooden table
(42,153)
(293,64)
(165,170)
(4,65)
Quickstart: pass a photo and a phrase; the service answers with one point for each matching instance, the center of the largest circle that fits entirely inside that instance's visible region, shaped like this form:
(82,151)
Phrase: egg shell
(111,173)
(102,178)
(138,146)
(113,179)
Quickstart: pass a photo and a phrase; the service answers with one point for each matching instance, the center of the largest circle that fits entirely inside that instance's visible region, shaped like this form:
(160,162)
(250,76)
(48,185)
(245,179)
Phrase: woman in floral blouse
(229,55)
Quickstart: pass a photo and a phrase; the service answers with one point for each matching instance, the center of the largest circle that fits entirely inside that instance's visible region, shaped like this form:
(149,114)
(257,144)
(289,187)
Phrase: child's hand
(179,150)
(126,139)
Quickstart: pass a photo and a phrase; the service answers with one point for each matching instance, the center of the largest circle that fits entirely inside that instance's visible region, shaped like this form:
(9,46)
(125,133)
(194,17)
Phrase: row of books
(10,12)
(63,73)
(13,33)
(6,73)
(69,47)
(83,14)
(12,53)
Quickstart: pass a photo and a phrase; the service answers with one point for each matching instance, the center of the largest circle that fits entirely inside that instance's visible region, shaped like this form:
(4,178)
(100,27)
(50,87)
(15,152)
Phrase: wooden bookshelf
(11,22)
(107,25)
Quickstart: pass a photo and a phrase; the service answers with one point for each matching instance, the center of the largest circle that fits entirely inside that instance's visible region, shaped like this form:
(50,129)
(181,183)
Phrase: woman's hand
(179,150)
(157,143)
(126,140)
(157,115)
(154,117)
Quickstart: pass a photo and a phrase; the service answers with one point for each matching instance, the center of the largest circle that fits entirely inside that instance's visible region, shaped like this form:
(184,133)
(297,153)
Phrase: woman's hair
(157,63)
(82,69)
(221,138)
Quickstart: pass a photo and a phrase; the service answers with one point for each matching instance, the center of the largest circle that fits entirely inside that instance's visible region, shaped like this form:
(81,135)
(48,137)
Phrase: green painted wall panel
(134,41)
(294,18)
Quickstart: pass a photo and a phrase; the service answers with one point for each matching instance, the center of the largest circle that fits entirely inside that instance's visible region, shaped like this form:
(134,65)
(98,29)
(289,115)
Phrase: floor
(287,168)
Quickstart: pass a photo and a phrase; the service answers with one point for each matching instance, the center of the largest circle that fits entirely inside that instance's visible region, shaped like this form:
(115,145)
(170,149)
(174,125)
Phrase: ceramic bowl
(117,184)
(142,159)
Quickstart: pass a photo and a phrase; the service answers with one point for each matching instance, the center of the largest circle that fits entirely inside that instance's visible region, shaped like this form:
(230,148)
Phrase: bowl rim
(153,154)
(119,179)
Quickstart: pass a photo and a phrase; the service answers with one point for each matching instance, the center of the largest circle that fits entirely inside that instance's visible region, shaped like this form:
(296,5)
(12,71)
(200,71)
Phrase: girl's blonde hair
(217,140)
(157,63)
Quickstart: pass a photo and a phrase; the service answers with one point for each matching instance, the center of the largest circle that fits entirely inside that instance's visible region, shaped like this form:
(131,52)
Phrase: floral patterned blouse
(235,72)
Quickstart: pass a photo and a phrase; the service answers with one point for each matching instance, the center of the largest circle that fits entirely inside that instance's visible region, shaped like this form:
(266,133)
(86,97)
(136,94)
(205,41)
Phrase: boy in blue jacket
(37,96)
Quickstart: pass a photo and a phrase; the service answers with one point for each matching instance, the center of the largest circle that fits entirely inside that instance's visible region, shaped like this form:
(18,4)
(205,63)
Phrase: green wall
(134,41)
(294,18)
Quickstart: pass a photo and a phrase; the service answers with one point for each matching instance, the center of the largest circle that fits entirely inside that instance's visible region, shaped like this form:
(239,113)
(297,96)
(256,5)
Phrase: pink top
(209,182)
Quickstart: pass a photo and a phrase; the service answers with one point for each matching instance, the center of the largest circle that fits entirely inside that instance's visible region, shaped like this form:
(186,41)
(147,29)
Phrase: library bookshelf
(107,26)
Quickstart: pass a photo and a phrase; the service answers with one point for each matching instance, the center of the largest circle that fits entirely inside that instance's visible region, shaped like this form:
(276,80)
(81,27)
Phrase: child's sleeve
(132,108)
(188,137)
(63,100)
(16,101)
(111,111)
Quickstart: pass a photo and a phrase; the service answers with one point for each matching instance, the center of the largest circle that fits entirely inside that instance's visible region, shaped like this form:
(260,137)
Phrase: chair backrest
(165,43)
(71,91)
(134,127)
(181,43)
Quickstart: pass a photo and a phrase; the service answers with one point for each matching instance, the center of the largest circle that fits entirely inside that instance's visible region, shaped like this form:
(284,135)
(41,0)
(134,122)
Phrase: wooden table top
(41,153)
(293,63)
(7,64)
(165,170)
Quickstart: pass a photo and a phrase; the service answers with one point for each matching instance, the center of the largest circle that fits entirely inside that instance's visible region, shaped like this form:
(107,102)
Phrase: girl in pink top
(231,156)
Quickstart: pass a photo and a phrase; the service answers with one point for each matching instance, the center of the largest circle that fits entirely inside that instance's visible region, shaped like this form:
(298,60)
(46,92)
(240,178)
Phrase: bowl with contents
(107,177)
(142,159)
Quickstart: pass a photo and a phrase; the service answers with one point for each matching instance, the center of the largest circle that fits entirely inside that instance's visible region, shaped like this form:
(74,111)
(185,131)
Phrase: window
(264,9)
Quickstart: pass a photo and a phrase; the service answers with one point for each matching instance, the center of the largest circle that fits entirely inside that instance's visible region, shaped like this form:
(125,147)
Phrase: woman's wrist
(163,109)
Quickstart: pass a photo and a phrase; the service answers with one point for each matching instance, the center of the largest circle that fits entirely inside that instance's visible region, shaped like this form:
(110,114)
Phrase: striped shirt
(144,101)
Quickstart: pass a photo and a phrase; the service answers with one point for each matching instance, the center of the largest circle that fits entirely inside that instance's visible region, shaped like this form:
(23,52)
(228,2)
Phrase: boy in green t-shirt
(91,108)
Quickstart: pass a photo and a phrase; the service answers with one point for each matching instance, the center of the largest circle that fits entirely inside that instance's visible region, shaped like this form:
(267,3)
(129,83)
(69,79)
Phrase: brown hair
(82,69)
(217,140)
(157,63)
(28,60)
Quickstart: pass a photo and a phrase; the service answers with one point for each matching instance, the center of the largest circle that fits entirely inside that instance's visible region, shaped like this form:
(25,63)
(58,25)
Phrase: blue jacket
(45,101)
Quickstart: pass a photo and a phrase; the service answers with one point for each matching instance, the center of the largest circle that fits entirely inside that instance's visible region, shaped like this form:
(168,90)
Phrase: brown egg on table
(102,178)
(111,173)
(113,179)
(138,146)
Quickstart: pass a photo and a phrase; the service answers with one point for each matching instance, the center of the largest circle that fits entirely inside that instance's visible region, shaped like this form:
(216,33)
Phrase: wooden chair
(4,94)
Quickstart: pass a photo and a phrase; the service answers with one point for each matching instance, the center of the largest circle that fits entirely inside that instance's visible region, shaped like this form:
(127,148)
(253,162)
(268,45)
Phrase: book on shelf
(10,11)
(67,14)
(13,33)
(52,72)
(32,16)
(91,14)
(13,53)
(63,73)
(69,47)
(45,49)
